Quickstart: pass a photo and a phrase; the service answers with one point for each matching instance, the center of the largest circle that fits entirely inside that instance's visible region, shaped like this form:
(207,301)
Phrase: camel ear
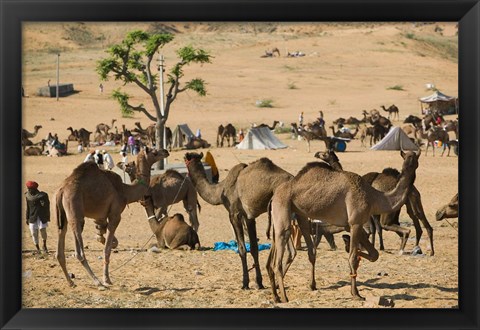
(201,155)
(418,153)
(402,154)
(146,149)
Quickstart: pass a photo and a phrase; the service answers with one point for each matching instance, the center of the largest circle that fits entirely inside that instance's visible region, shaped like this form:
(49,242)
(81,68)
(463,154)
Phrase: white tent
(181,135)
(260,138)
(396,139)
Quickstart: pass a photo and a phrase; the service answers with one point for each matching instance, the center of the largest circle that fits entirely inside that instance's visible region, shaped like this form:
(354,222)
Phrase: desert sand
(347,68)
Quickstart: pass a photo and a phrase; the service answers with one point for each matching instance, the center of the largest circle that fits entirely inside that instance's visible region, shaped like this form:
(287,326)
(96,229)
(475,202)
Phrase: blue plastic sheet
(232,245)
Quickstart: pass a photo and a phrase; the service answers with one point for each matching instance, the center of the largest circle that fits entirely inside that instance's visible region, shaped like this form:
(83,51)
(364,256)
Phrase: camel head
(449,210)
(410,162)
(153,155)
(37,127)
(191,156)
(328,156)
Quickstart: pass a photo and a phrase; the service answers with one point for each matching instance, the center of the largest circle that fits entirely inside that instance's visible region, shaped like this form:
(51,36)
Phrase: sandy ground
(347,69)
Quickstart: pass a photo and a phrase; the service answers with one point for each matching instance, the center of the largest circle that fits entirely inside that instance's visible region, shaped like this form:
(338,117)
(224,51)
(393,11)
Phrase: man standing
(107,160)
(38,213)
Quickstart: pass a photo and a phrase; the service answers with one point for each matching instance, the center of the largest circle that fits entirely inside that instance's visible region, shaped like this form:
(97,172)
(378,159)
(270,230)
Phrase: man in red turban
(37,213)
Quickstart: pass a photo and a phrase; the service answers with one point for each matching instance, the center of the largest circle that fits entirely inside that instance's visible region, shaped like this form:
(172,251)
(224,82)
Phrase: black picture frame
(12,316)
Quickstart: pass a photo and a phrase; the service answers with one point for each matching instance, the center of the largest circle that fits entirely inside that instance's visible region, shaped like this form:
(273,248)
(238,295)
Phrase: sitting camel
(197,143)
(342,199)
(167,189)
(35,151)
(449,210)
(100,195)
(171,232)
(26,136)
(245,193)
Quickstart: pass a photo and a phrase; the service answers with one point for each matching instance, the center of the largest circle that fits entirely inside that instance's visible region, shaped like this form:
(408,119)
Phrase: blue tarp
(232,245)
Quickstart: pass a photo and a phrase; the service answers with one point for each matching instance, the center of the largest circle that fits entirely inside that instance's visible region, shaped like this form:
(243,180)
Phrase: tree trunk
(159,141)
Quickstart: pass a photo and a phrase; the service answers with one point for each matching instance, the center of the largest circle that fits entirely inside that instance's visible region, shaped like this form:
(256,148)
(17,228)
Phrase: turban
(32,185)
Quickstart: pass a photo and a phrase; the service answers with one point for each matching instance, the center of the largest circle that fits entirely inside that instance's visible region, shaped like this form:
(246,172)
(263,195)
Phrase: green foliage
(409,35)
(122,99)
(267,103)
(197,85)
(396,88)
(282,130)
(189,54)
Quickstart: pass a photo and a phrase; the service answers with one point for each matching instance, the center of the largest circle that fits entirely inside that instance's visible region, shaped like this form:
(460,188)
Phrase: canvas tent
(396,139)
(260,138)
(440,102)
(181,135)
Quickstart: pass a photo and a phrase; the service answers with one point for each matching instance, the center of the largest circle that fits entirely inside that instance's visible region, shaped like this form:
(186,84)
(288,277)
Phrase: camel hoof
(114,243)
(71,284)
(100,239)
(358,297)
(260,286)
(401,252)
(101,288)
(313,287)
(245,287)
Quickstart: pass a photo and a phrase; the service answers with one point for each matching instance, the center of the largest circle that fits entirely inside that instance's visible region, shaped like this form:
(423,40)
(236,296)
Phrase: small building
(51,91)
(443,104)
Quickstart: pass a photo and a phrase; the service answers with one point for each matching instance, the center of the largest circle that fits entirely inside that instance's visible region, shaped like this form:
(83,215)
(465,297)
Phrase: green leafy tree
(131,62)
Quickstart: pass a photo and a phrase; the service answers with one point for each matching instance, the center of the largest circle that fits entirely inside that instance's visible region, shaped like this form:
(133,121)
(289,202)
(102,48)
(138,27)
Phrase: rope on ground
(451,225)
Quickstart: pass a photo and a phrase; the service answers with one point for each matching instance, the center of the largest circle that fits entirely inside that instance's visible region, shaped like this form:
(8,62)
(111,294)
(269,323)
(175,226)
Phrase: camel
(342,199)
(379,132)
(309,136)
(339,121)
(385,122)
(226,132)
(385,182)
(167,189)
(196,143)
(83,136)
(35,151)
(171,232)
(411,119)
(435,134)
(100,195)
(393,109)
(275,122)
(26,136)
(271,53)
(245,193)
(449,210)
(345,135)
(451,126)
(431,120)
(73,134)
(353,121)
(104,128)
(364,132)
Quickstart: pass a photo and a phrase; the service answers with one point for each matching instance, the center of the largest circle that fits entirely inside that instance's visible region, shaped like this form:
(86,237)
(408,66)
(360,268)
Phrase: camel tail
(199,207)
(60,211)
(269,225)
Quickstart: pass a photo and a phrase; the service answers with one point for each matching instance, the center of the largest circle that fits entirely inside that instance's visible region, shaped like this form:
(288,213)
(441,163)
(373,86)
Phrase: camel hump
(391,172)
(173,173)
(312,165)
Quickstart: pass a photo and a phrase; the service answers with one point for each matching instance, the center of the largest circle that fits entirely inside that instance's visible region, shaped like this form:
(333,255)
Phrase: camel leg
(79,249)
(113,222)
(60,255)
(281,237)
(235,220)
(415,211)
(252,235)
(304,225)
(359,239)
(402,232)
(270,270)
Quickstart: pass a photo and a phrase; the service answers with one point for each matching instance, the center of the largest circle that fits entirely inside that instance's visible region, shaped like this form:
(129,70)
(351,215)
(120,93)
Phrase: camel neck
(393,200)
(211,193)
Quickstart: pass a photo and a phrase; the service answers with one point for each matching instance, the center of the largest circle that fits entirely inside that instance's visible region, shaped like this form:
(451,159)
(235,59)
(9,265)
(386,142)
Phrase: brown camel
(431,120)
(167,189)
(449,210)
(26,135)
(35,151)
(345,135)
(451,126)
(171,232)
(100,195)
(411,119)
(353,121)
(435,133)
(393,109)
(271,53)
(309,136)
(104,128)
(385,182)
(196,143)
(73,134)
(83,136)
(342,199)
(275,122)
(228,132)
(245,193)
(339,121)
(366,131)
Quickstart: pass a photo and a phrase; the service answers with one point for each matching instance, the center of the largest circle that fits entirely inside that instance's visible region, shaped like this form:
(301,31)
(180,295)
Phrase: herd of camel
(343,200)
